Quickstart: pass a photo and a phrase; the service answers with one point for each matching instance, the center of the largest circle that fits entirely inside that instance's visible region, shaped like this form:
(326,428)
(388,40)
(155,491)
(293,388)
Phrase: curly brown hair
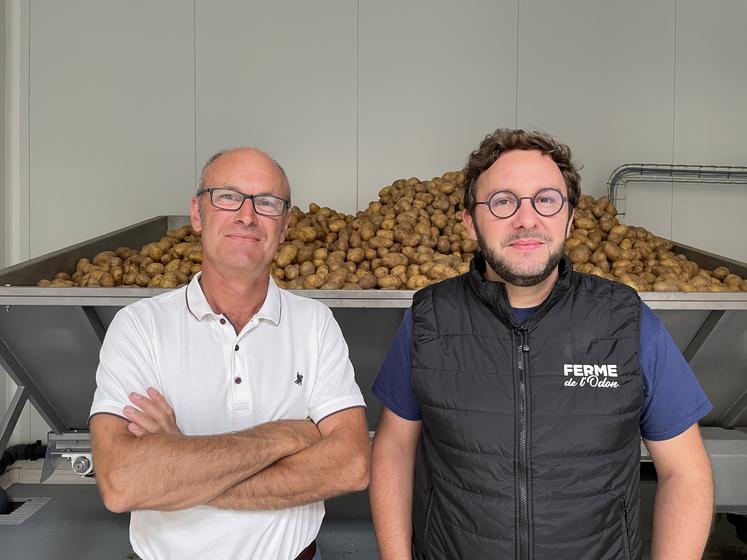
(507,139)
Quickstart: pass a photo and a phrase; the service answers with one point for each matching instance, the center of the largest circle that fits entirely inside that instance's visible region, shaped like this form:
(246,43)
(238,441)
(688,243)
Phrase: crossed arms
(146,463)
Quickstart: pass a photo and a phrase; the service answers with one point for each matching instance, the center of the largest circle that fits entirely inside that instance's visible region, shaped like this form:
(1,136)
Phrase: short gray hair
(201,185)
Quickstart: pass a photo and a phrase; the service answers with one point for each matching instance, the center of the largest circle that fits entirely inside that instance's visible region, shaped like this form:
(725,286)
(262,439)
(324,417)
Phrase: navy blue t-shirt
(673,399)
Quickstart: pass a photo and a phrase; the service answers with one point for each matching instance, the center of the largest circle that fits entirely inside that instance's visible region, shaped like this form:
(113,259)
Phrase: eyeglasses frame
(563,199)
(210,190)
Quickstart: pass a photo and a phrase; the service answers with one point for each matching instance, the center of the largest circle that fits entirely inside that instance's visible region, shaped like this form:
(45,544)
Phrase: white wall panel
(281,76)
(3,203)
(711,217)
(434,78)
(711,122)
(711,109)
(111,118)
(599,76)
(647,205)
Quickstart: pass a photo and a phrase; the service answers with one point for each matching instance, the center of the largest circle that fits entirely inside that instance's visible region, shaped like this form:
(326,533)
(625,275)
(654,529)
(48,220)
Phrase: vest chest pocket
(624,528)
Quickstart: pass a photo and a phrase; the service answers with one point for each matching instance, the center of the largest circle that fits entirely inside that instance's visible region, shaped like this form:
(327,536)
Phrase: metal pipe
(657,172)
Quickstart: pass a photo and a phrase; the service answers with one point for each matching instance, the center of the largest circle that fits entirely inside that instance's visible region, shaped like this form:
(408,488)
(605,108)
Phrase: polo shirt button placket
(240,391)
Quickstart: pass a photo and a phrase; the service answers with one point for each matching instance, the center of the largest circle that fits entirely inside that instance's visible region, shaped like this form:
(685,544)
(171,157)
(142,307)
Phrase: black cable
(28,452)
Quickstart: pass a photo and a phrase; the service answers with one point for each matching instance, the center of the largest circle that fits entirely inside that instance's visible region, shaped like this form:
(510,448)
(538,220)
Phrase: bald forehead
(246,164)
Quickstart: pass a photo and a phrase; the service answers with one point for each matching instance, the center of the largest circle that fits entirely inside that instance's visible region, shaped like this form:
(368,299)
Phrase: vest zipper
(428,512)
(523,355)
(626,537)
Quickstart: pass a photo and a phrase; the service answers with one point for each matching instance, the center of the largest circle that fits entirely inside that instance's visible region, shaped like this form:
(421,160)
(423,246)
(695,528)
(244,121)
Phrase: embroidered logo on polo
(587,375)
(299,379)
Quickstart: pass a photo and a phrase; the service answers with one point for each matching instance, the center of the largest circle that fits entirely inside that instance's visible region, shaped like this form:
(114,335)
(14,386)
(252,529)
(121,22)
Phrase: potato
(368,281)
(389,282)
(416,282)
(307,269)
(379,242)
(585,223)
(181,249)
(117,273)
(665,287)
(699,281)
(83,266)
(172,265)
(441,271)
(612,251)
(154,269)
(104,257)
(721,272)
(399,270)
(356,255)
(124,253)
(312,282)
(392,260)
(686,287)
(307,234)
(732,279)
(580,254)
(152,250)
(621,267)
(286,255)
(195,254)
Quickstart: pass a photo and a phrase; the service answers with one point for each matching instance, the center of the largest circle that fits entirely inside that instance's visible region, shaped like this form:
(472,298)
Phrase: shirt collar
(199,307)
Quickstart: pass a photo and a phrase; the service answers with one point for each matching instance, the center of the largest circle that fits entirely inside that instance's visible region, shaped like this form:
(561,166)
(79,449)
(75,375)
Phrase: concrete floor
(74,525)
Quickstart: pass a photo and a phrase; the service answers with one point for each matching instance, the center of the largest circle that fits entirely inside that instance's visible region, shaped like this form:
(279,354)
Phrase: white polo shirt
(289,362)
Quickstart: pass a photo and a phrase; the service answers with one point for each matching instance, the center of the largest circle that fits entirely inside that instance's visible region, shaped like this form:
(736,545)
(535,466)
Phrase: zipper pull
(524,344)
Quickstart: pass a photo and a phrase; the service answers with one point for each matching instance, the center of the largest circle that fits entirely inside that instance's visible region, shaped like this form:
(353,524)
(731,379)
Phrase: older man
(227,410)
(515,395)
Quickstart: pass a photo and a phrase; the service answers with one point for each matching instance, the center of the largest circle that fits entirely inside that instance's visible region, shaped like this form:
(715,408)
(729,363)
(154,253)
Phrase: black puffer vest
(530,447)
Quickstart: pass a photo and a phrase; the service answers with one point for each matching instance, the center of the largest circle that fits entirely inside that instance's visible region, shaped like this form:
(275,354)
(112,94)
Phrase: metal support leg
(703,333)
(10,418)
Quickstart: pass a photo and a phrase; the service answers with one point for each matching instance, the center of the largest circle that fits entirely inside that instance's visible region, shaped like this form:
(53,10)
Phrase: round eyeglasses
(229,199)
(504,204)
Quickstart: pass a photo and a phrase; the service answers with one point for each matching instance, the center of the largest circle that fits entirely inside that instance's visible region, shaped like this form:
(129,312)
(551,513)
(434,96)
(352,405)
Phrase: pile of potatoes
(411,237)
(168,263)
(599,244)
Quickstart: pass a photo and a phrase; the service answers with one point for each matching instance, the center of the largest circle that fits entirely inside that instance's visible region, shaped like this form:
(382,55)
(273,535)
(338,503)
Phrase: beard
(510,273)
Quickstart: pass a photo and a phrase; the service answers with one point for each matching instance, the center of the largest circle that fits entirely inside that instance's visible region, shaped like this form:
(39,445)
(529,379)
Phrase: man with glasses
(515,396)
(227,410)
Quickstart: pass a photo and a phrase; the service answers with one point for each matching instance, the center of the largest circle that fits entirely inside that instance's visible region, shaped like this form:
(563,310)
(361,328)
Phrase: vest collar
(494,293)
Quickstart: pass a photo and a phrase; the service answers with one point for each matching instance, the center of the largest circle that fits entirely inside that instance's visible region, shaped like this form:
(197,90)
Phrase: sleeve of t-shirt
(334,388)
(673,398)
(126,365)
(393,385)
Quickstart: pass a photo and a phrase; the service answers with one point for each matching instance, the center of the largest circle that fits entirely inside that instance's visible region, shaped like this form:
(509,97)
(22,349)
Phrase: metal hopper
(50,340)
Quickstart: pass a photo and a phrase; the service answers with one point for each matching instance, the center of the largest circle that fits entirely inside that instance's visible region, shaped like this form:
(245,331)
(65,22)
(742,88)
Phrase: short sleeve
(393,385)
(126,364)
(334,388)
(673,398)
